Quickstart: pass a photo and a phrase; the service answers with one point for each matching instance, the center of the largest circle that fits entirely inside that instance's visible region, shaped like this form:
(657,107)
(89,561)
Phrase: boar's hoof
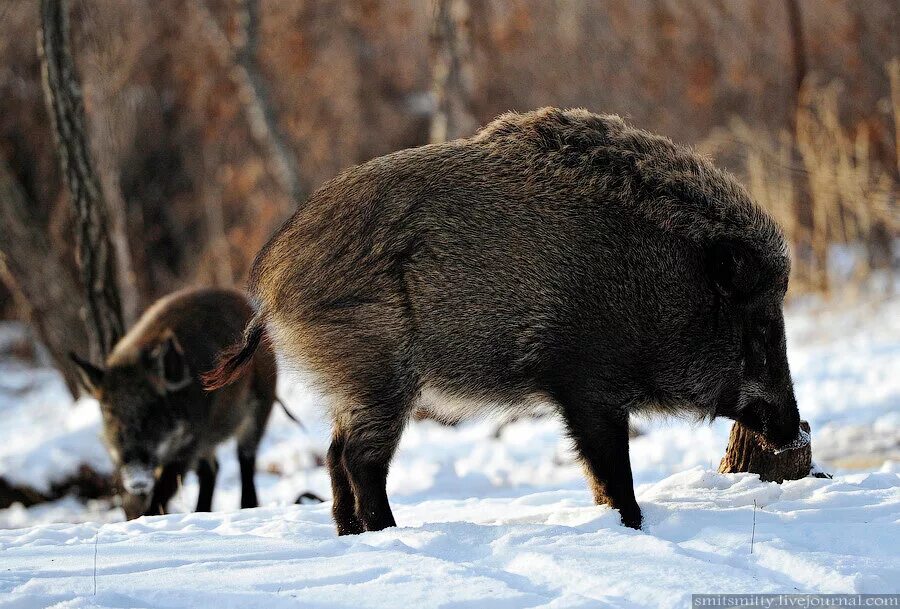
(308,498)
(631,517)
(748,452)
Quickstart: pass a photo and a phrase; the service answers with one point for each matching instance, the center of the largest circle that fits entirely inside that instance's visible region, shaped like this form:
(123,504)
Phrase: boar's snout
(137,479)
(784,427)
(778,424)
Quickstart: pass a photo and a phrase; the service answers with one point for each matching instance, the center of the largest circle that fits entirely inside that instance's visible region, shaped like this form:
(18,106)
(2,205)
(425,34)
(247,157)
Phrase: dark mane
(674,187)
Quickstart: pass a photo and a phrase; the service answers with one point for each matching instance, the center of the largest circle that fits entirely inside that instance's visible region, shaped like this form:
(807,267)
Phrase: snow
(44,437)
(540,549)
(484,521)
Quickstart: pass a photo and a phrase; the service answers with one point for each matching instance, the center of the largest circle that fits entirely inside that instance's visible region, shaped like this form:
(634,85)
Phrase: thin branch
(242,67)
(753,530)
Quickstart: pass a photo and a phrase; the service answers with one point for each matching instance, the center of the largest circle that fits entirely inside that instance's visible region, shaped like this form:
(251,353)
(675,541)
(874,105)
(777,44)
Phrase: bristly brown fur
(556,255)
(234,361)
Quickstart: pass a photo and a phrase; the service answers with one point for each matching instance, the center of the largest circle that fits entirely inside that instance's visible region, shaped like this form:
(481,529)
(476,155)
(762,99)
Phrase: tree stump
(746,453)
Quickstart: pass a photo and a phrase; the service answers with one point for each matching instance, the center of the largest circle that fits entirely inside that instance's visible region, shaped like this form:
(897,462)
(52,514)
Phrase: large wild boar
(158,422)
(556,256)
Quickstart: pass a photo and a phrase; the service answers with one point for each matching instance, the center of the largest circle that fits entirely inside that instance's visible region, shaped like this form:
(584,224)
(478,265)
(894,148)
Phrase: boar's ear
(91,376)
(734,269)
(168,367)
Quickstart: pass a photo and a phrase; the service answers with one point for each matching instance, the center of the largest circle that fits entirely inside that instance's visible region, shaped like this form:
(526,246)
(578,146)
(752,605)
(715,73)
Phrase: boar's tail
(290,414)
(233,362)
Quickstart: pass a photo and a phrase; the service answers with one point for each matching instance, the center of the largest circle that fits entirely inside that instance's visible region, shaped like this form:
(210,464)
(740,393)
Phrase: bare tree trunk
(893,69)
(127,280)
(258,108)
(215,222)
(243,70)
(354,18)
(95,252)
(43,290)
(453,79)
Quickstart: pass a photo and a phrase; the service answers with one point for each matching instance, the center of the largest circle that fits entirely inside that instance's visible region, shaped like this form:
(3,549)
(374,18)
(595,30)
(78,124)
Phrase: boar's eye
(775,331)
(760,343)
(755,348)
(733,269)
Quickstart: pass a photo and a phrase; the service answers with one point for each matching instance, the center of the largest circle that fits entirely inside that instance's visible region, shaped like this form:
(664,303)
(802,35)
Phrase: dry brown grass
(829,167)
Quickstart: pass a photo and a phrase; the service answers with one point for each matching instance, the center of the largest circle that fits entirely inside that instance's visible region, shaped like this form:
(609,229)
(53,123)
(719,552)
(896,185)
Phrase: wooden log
(746,453)
(86,483)
(11,493)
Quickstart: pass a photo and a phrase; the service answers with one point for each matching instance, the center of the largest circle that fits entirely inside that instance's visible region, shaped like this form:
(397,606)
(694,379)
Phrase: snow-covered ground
(484,521)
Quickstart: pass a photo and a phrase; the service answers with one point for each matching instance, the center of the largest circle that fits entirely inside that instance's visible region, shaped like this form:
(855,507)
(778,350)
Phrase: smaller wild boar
(158,421)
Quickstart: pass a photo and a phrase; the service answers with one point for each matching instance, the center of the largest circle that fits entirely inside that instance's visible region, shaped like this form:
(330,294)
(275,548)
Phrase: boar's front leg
(247,463)
(207,471)
(601,437)
(252,432)
(164,489)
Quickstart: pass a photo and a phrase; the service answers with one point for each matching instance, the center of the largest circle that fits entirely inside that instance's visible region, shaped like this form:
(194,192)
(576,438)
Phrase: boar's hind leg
(165,488)
(207,470)
(362,350)
(371,434)
(602,440)
(367,456)
(247,462)
(248,444)
(343,507)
